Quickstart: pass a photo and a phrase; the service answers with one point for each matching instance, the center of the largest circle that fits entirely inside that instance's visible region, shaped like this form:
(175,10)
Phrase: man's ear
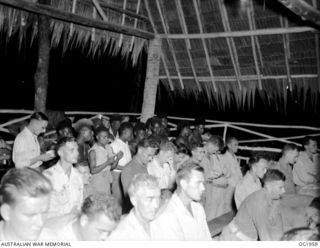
(84,220)
(183,183)
(133,200)
(5,210)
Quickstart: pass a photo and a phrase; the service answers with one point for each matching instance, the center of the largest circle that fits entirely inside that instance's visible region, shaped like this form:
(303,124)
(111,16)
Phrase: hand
(46,157)
(119,155)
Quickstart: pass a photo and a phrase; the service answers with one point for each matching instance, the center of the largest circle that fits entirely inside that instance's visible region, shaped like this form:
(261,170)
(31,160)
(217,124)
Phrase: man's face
(146,154)
(66,132)
(146,202)
(97,228)
(106,123)
(166,156)
(211,148)
(292,156)
(276,189)
(194,187)
(164,122)
(103,138)
(115,125)
(233,146)
(127,134)
(69,152)
(25,218)
(198,154)
(156,128)
(40,126)
(200,129)
(260,168)
(186,131)
(312,147)
(141,134)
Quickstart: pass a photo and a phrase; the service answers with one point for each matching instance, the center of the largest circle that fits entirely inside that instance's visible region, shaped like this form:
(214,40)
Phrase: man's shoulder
(52,171)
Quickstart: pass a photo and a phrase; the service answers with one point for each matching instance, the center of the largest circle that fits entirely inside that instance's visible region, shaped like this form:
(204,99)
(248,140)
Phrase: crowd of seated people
(116,179)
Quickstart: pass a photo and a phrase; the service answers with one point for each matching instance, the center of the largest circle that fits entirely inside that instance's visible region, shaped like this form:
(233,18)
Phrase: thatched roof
(217,52)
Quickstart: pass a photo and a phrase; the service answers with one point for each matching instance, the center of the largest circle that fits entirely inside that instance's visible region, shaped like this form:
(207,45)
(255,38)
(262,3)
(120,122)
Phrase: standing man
(184,217)
(121,144)
(147,148)
(67,195)
(84,138)
(251,181)
(25,196)
(259,216)
(144,193)
(196,136)
(26,148)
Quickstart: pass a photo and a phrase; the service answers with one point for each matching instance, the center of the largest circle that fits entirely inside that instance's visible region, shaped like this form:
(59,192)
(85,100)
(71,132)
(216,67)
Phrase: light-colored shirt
(246,187)
(117,146)
(305,170)
(232,166)
(129,229)
(165,174)
(25,148)
(259,217)
(175,222)
(67,190)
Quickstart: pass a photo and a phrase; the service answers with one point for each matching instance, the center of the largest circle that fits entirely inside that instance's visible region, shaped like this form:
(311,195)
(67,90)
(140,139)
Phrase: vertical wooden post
(41,75)
(151,83)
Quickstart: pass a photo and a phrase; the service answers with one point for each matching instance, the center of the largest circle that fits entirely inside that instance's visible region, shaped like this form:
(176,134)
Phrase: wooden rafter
(123,18)
(286,46)
(230,42)
(93,30)
(74,18)
(135,24)
(257,32)
(172,50)
(188,45)
(195,4)
(254,51)
(246,77)
(73,10)
(162,53)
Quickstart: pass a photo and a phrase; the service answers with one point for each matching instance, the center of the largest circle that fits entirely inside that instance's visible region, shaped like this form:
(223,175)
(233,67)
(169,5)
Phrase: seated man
(25,196)
(251,181)
(259,216)
(144,193)
(147,148)
(184,218)
(99,216)
(67,182)
(305,171)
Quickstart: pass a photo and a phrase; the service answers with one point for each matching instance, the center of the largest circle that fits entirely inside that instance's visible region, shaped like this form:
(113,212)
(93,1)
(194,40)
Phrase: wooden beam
(162,53)
(230,41)
(257,32)
(135,24)
(73,10)
(122,22)
(172,50)
(76,19)
(254,52)
(317,44)
(94,16)
(195,5)
(187,41)
(286,47)
(103,4)
(245,77)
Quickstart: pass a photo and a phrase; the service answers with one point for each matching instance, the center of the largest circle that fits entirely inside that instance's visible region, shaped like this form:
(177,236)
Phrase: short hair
(142,180)
(115,118)
(182,125)
(182,148)
(185,172)
(230,139)
(199,121)
(66,123)
(148,142)
(301,234)
(216,140)
(26,182)
(162,115)
(63,141)
(254,159)
(140,126)
(99,203)
(101,129)
(167,146)
(306,140)
(315,203)
(195,145)
(289,147)
(154,121)
(125,126)
(39,116)
(273,175)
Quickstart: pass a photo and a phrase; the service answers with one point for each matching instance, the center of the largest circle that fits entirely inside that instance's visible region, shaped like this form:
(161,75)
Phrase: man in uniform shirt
(251,181)
(26,148)
(67,195)
(144,193)
(184,218)
(100,214)
(259,216)
(25,196)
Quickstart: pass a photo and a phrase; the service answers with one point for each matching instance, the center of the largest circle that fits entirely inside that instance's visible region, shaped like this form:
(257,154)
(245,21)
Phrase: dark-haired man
(184,218)
(259,216)
(25,196)
(26,148)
